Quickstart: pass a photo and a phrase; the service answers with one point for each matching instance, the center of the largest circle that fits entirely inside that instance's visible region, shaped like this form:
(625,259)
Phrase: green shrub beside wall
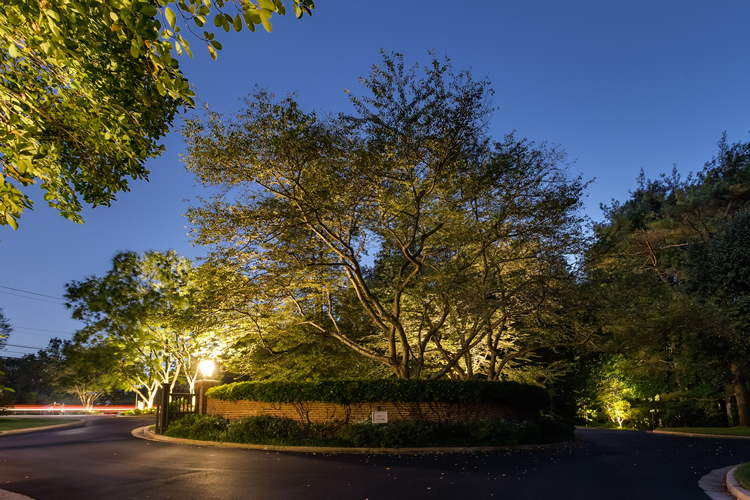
(266,430)
(523,396)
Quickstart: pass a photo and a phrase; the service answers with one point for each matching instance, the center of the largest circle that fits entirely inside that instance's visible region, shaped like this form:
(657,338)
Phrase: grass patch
(742,475)
(267,430)
(720,431)
(15,423)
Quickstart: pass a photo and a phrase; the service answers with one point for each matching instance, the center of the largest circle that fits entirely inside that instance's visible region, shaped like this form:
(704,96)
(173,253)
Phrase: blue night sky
(621,86)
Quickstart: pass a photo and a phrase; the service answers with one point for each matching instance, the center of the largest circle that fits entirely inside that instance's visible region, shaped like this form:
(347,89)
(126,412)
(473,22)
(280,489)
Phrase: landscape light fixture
(207,367)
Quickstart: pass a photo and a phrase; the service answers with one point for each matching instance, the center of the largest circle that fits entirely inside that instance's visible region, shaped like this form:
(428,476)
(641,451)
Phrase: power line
(33,298)
(32,293)
(41,330)
(14,352)
(37,334)
(25,346)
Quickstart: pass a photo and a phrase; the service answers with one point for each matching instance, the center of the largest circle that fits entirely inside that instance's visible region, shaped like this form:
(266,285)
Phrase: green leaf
(249,22)
(13,51)
(212,51)
(13,223)
(267,4)
(266,25)
(251,17)
(135,51)
(170,15)
(217,45)
(149,10)
(237,24)
(219,20)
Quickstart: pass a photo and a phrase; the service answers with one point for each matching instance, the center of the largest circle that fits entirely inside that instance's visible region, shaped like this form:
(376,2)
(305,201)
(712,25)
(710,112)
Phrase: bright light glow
(207,367)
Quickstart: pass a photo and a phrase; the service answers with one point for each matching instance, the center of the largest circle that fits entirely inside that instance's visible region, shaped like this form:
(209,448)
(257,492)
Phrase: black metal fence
(172,405)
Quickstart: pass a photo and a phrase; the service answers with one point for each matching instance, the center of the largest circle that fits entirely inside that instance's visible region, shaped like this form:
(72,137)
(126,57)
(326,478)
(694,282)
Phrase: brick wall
(328,412)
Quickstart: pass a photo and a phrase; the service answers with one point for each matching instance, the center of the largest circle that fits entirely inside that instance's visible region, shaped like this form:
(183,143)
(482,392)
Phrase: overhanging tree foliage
(88,87)
(471,237)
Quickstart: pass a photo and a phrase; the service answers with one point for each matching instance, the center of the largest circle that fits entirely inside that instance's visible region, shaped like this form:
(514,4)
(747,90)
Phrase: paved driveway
(103,461)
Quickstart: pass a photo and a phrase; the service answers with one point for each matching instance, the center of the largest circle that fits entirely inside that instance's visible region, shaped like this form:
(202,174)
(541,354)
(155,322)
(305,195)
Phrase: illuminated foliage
(470,236)
(88,87)
(140,310)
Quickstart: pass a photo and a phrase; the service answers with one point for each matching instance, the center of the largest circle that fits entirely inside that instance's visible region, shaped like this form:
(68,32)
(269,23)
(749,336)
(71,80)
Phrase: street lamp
(207,368)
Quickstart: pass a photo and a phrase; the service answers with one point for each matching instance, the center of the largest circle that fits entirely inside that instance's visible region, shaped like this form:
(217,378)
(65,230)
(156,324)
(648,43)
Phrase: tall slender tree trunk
(740,392)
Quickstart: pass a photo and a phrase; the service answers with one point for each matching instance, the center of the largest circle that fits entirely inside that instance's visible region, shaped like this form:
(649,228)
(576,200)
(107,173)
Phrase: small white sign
(380,417)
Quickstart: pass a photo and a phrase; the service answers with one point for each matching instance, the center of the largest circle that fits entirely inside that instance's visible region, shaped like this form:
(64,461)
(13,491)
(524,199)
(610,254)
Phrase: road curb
(75,423)
(144,433)
(693,434)
(735,489)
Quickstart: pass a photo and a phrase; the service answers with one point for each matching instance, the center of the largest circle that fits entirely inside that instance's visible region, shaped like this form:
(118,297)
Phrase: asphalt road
(103,461)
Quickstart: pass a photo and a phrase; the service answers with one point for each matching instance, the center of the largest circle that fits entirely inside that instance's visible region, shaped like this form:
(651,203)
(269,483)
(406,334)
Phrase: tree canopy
(140,311)
(670,266)
(403,231)
(88,87)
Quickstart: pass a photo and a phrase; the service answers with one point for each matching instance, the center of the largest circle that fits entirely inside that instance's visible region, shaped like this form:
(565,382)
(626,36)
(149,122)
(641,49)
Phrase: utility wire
(37,334)
(33,298)
(41,330)
(14,352)
(25,346)
(32,293)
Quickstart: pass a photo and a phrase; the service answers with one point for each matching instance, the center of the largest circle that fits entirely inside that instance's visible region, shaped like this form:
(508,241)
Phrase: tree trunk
(740,392)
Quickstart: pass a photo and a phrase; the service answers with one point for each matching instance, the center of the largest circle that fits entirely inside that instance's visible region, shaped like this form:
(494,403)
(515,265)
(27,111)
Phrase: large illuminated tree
(470,238)
(138,309)
(89,372)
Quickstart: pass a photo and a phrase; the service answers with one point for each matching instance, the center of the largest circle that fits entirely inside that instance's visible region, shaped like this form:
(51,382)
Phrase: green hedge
(378,391)
(267,430)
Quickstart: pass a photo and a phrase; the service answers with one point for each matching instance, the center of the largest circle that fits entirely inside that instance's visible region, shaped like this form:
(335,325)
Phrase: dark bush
(692,413)
(265,429)
(201,427)
(261,428)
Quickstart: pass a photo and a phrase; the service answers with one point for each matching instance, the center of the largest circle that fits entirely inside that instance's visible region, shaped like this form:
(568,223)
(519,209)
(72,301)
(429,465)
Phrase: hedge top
(379,391)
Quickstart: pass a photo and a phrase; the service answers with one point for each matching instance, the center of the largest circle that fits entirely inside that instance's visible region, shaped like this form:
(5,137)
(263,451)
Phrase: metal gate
(171,406)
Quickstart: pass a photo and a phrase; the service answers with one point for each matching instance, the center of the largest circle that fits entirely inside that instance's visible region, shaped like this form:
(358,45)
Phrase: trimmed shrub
(522,396)
(201,427)
(260,429)
(264,429)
